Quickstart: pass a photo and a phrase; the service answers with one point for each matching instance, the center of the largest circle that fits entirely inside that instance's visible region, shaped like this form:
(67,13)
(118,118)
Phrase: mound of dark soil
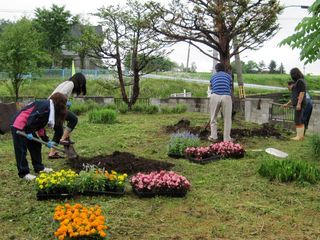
(266,130)
(123,162)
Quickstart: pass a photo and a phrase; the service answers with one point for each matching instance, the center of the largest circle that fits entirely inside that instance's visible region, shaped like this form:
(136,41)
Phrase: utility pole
(188,57)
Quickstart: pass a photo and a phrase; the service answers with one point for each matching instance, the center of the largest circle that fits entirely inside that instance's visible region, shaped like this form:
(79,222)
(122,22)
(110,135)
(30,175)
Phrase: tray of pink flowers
(227,149)
(201,155)
(161,183)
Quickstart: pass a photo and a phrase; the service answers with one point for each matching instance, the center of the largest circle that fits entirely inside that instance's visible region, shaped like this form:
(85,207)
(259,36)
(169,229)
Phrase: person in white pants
(220,85)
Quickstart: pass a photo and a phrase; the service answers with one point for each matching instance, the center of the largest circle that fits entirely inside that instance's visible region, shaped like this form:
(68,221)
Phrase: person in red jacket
(31,119)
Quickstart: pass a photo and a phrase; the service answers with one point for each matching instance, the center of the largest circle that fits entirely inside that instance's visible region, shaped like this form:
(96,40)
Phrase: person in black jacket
(31,119)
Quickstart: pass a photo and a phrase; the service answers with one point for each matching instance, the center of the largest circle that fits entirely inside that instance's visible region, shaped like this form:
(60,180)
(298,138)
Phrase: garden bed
(266,130)
(123,162)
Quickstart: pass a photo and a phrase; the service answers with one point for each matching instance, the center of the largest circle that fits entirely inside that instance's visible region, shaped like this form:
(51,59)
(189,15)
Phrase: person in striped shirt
(220,85)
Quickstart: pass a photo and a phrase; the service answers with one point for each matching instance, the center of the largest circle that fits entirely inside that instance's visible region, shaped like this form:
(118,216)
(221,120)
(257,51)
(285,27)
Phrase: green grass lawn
(228,199)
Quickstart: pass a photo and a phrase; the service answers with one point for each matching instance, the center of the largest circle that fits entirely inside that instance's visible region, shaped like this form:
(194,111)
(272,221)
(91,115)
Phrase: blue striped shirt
(221,83)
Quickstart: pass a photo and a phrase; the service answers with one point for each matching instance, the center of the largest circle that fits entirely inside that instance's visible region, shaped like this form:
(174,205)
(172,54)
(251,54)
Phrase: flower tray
(167,193)
(204,160)
(47,196)
(118,193)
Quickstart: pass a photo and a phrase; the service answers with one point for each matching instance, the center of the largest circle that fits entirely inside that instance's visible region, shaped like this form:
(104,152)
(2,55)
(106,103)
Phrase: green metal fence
(280,114)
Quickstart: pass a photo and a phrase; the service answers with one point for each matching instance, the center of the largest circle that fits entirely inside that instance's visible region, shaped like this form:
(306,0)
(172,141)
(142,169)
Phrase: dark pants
(71,120)
(307,114)
(298,117)
(21,144)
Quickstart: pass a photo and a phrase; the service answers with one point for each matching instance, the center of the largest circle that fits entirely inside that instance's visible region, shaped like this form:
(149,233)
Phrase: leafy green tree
(84,41)
(154,63)
(128,33)
(3,23)
(272,66)
(251,67)
(307,35)
(20,52)
(55,25)
(216,24)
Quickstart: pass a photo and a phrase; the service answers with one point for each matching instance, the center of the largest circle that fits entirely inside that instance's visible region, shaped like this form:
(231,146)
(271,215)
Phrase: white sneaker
(29,177)
(47,170)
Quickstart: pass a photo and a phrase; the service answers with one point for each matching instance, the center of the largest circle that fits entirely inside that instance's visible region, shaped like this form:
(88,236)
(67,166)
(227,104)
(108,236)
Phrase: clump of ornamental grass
(289,170)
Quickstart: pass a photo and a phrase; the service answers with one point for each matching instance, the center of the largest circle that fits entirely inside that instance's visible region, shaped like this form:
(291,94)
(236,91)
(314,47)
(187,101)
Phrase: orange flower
(78,220)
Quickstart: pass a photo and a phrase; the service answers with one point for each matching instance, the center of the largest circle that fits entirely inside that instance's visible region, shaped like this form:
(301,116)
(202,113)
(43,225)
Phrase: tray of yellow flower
(80,222)
(56,185)
(94,182)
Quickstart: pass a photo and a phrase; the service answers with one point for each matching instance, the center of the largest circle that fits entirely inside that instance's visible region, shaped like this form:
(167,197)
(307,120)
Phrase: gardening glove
(29,136)
(68,104)
(50,144)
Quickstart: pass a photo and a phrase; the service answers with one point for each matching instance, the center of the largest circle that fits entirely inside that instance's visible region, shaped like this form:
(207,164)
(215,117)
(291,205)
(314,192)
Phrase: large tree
(20,52)
(307,35)
(215,24)
(84,38)
(128,34)
(272,66)
(55,25)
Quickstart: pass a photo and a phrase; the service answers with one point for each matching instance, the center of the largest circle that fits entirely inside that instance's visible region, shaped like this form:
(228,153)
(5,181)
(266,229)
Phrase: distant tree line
(260,67)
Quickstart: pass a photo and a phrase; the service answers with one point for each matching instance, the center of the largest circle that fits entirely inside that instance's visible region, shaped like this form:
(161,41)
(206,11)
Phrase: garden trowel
(68,150)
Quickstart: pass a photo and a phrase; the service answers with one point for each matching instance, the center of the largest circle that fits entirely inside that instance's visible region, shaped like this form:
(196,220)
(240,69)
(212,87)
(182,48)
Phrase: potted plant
(164,183)
(180,141)
(94,181)
(55,185)
(228,149)
(200,155)
(79,222)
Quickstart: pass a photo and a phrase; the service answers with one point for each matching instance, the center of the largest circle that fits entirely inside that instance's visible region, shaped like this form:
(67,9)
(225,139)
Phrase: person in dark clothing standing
(298,101)
(31,119)
(308,108)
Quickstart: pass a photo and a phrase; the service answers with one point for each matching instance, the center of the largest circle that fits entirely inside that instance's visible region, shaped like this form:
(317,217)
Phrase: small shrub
(111,106)
(315,145)
(289,170)
(102,116)
(179,108)
(79,108)
(180,141)
(151,109)
(145,108)
(123,108)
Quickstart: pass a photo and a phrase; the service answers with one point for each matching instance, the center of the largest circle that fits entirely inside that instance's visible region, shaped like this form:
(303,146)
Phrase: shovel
(68,150)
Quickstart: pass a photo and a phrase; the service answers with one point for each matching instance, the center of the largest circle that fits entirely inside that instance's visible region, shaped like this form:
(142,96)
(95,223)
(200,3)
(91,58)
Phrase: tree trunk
(16,89)
(121,80)
(82,59)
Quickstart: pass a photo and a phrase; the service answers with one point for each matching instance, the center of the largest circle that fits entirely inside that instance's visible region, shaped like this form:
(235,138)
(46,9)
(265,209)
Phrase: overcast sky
(291,16)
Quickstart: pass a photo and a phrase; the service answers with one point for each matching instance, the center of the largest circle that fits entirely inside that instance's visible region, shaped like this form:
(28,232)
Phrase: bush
(315,145)
(180,141)
(79,108)
(289,170)
(179,108)
(102,116)
(145,108)
(111,106)
(123,108)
